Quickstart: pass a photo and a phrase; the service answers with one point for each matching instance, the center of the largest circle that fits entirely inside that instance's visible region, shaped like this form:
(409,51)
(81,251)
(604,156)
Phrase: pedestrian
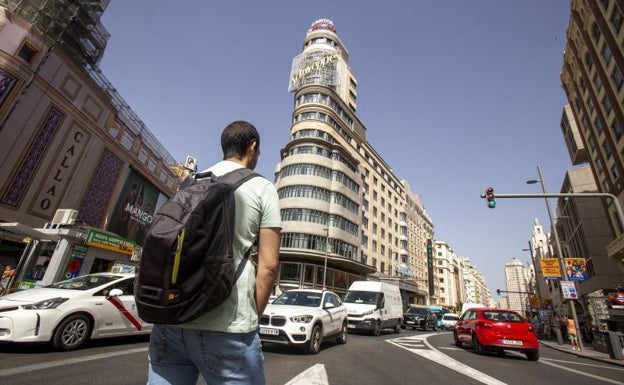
(223,344)
(571,331)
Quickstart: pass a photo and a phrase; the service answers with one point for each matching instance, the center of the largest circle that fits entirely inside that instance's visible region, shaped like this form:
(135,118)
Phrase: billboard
(551,270)
(135,208)
(576,268)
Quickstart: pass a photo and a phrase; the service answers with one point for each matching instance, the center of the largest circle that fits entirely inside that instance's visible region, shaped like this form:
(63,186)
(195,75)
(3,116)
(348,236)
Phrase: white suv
(449,320)
(304,318)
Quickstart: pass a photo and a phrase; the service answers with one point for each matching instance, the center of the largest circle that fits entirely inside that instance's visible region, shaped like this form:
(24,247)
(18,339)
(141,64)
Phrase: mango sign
(551,268)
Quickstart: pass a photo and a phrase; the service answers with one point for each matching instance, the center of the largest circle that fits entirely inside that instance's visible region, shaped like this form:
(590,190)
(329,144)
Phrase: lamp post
(564,274)
(326,255)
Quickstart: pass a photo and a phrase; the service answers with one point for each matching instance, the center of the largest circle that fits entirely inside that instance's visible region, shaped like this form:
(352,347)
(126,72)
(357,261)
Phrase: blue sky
(456,95)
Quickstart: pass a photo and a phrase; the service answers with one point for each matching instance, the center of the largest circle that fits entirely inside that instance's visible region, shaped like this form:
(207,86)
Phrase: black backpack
(187,266)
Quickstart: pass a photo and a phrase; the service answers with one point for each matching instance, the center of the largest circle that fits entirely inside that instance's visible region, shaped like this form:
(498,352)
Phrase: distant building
(516,280)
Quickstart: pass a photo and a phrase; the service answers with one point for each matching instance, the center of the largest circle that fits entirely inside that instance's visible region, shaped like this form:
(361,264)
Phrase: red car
(496,330)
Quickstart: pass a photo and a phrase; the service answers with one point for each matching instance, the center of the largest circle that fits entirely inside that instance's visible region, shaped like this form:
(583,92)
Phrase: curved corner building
(342,207)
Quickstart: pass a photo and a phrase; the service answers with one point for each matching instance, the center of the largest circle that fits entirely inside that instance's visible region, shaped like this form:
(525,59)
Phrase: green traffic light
(491,204)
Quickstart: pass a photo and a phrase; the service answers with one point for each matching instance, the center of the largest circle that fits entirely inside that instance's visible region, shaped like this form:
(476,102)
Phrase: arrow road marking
(433,354)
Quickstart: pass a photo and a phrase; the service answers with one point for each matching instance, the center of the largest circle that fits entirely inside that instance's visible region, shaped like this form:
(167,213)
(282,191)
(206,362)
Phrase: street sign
(568,290)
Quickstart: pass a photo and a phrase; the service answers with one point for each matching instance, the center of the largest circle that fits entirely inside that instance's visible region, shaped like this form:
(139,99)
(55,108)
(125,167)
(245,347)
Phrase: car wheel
(532,356)
(342,337)
(458,343)
(478,348)
(72,332)
(377,329)
(425,328)
(314,345)
(397,328)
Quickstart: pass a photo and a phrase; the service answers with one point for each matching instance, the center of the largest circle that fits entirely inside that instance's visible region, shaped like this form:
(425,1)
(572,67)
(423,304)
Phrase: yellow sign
(551,269)
(111,242)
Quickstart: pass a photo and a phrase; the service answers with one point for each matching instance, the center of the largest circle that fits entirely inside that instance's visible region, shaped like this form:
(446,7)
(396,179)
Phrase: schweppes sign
(314,67)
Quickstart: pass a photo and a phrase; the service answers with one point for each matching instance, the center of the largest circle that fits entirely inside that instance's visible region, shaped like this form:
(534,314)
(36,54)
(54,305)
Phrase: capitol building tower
(343,210)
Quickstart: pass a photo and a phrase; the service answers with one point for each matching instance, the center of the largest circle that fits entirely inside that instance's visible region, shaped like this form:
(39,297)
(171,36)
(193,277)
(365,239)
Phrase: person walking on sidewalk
(571,331)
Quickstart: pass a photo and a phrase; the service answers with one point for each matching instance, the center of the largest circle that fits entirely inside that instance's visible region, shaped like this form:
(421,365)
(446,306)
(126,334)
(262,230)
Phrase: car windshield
(85,282)
(416,311)
(450,317)
(502,316)
(299,298)
(366,297)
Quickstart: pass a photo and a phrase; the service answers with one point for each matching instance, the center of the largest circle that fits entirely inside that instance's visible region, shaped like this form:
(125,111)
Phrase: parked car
(70,312)
(304,318)
(496,330)
(449,320)
(419,317)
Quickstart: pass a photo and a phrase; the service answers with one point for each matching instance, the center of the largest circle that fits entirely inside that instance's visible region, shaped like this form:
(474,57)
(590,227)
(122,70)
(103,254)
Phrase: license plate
(409,322)
(272,332)
(512,342)
(351,326)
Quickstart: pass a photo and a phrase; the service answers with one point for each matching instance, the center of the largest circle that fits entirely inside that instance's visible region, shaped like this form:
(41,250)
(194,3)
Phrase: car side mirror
(329,305)
(115,293)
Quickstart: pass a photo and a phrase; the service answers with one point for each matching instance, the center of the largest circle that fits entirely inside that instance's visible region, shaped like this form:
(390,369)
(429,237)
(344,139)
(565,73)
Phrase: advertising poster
(135,208)
(576,269)
(78,254)
(551,269)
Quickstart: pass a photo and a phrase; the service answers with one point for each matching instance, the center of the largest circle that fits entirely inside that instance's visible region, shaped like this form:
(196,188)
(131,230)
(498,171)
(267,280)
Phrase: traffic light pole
(564,275)
(613,198)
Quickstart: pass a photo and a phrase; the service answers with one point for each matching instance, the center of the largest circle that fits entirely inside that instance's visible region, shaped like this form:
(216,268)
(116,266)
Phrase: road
(412,357)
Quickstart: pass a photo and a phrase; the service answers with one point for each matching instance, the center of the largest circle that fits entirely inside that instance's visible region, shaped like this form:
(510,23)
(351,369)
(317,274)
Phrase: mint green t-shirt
(257,206)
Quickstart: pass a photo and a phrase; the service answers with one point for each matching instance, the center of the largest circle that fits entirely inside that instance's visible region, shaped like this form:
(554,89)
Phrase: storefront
(57,253)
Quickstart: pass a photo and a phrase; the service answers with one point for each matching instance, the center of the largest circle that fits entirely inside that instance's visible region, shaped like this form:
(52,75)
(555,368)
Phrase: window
(589,62)
(606,104)
(606,54)
(617,130)
(614,172)
(617,78)
(616,19)
(596,33)
(26,53)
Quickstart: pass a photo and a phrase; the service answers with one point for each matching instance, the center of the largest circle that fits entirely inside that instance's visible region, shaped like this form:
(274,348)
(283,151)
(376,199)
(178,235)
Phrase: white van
(373,306)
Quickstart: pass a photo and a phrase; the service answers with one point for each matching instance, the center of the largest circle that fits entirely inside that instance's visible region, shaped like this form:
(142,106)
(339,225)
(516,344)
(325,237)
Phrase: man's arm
(268,259)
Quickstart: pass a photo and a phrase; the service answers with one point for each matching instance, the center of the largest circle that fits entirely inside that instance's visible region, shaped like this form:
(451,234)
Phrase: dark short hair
(236,137)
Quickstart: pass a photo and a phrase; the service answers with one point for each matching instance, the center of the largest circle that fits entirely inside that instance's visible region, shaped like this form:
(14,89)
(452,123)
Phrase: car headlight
(307,318)
(368,312)
(51,303)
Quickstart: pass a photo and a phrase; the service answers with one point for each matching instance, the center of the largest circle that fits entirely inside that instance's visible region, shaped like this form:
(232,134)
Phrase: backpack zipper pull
(177,256)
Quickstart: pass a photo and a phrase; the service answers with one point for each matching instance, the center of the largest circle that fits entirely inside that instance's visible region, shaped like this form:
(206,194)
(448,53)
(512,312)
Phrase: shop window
(290,272)
(27,53)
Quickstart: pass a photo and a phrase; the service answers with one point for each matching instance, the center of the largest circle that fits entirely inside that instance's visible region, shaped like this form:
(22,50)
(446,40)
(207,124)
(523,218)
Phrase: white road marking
(581,363)
(314,375)
(68,361)
(545,362)
(434,355)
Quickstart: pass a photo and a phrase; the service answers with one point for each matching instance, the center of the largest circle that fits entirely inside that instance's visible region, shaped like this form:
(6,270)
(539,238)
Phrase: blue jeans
(177,356)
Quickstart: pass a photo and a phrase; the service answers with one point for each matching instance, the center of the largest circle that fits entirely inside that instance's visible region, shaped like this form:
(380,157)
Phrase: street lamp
(564,274)
(326,255)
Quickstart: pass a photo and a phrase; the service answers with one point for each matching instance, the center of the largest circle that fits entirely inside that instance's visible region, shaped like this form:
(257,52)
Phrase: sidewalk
(588,352)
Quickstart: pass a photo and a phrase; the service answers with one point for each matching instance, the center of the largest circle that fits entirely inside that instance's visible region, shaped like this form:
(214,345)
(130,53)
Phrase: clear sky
(456,95)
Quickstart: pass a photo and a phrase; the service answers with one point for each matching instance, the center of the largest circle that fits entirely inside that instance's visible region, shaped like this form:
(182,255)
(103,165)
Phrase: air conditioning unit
(65,217)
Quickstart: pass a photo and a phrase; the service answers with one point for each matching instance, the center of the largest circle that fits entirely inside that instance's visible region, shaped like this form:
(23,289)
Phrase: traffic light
(489,194)
(498,292)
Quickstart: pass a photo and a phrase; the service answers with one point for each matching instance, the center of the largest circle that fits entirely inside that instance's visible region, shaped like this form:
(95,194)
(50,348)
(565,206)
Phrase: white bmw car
(304,318)
(68,313)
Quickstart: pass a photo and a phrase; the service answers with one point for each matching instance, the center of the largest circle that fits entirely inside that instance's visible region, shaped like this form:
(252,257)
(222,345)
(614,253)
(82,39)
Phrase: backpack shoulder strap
(237,177)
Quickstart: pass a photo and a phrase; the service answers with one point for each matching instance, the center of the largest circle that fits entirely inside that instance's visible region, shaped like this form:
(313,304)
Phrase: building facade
(342,206)
(517,282)
(74,153)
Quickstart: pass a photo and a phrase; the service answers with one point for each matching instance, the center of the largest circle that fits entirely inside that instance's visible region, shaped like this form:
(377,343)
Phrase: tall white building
(516,280)
(448,276)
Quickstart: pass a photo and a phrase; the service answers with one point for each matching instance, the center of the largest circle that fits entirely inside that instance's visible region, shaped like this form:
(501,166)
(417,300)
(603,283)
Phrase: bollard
(559,336)
(614,347)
